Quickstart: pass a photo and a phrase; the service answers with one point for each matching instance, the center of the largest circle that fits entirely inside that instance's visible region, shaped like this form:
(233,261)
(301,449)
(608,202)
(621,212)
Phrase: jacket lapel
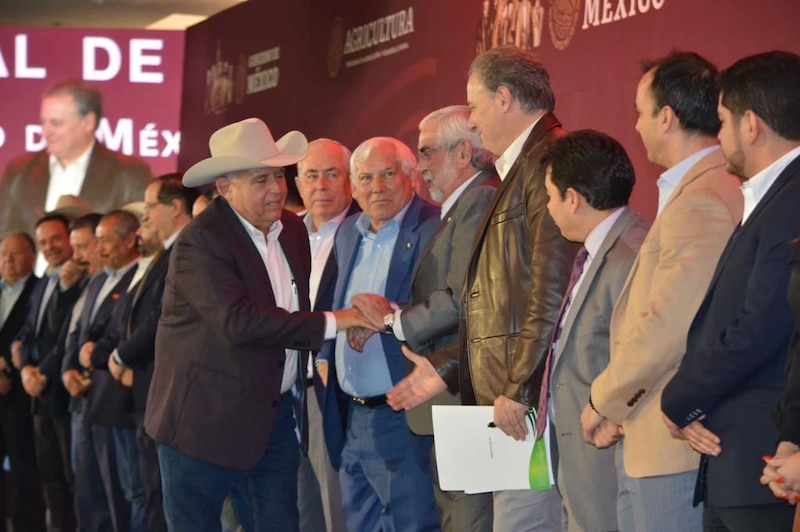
(624,221)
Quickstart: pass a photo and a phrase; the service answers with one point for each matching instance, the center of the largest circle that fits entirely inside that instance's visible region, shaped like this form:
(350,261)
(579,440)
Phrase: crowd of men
(196,356)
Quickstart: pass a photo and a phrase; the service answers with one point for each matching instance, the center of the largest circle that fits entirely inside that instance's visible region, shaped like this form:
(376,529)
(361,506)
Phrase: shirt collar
(756,187)
(596,236)
(82,161)
(116,274)
(504,163)
(673,175)
(363,224)
(4,285)
(448,203)
(254,232)
(172,238)
(328,226)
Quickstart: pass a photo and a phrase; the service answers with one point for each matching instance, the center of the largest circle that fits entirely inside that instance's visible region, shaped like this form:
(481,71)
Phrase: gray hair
(125,223)
(345,152)
(518,70)
(403,155)
(454,127)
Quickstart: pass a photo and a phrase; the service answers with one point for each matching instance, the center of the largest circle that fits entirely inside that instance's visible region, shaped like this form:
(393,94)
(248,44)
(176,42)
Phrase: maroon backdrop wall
(139,72)
(352,69)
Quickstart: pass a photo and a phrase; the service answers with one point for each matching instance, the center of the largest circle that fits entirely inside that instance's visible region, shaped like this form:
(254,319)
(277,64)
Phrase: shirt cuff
(330,325)
(397,328)
(117,359)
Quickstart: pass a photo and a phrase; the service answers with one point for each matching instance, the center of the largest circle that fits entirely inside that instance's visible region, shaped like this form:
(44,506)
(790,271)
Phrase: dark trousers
(151,478)
(264,496)
(102,505)
(26,505)
(776,517)
(52,438)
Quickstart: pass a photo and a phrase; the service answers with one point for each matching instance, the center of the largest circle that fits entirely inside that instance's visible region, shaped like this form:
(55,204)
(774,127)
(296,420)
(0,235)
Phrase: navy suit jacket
(9,330)
(106,401)
(46,349)
(136,350)
(733,370)
(419,224)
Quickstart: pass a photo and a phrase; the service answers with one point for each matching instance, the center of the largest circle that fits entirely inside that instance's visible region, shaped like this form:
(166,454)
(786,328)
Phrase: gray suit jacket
(587,476)
(430,322)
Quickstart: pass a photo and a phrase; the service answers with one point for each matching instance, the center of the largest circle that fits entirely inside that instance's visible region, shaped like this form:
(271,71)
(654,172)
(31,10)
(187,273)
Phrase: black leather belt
(309,382)
(370,402)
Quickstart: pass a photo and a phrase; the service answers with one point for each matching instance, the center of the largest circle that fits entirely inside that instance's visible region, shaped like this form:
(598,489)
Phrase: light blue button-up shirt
(366,374)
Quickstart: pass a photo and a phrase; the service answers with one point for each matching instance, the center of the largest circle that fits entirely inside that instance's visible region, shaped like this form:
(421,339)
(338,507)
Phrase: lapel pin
(408,245)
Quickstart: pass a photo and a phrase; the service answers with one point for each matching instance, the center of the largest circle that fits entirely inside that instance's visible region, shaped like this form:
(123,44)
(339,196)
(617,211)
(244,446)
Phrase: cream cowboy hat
(71,206)
(245,145)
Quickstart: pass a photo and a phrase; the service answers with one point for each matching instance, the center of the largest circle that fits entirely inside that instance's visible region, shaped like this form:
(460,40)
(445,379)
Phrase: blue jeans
(264,496)
(129,479)
(386,473)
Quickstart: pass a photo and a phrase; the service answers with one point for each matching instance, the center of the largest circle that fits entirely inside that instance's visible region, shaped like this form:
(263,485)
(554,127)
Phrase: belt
(309,382)
(370,402)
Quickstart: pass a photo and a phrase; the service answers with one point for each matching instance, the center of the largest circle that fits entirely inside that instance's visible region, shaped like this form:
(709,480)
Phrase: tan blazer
(652,316)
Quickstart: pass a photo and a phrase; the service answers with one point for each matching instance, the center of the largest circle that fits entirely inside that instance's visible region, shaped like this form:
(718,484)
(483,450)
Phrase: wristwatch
(388,322)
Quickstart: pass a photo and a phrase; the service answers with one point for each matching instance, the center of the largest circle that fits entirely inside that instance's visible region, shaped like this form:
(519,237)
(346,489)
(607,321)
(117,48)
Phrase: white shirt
(66,179)
(452,198)
(321,244)
(756,187)
(283,286)
(504,163)
(9,295)
(670,178)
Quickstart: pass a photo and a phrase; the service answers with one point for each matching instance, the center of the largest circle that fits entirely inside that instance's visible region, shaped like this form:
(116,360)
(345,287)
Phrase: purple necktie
(577,270)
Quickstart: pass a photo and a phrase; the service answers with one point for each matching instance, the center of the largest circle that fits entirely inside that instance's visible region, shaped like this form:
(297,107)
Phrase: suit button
(274,404)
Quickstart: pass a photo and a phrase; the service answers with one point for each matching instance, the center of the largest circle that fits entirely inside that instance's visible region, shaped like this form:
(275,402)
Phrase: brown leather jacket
(515,281)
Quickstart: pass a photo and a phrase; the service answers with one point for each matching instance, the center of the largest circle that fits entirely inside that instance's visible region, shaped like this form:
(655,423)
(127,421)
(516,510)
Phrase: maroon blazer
(220,343)
(112,180)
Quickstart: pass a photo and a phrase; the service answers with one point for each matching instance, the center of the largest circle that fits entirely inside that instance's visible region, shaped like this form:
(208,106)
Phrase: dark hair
(172,188)
(23,235)
(88,98)
(53,218)
(687,82)
(593,164)
(292,193)
(87,221)
(769,85)
(518,70)
(125,223)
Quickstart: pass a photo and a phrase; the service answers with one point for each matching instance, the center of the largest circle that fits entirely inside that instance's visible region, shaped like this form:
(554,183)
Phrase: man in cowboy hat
(233,338)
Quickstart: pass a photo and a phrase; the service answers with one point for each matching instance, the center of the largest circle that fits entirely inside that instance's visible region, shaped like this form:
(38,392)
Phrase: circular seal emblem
(562,21)
(335,47)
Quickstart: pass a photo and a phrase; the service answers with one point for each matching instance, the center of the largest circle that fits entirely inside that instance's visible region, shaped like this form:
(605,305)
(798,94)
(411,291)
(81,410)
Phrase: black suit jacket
(137,349)
(12,326)
(106,401)
(221,340)
(45,349)
(786,414)
(733,370)
(111,181)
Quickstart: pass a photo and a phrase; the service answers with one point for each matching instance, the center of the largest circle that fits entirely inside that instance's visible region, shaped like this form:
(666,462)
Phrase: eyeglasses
(424,154)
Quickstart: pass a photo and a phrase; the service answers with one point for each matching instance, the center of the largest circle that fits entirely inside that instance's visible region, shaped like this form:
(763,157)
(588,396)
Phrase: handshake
(364,319)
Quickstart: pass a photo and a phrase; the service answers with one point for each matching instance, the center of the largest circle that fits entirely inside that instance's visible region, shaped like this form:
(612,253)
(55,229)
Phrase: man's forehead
(258,172)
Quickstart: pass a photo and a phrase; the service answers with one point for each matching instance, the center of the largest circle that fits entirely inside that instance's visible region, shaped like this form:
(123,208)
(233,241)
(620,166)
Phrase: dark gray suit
(587,476)
(430,322)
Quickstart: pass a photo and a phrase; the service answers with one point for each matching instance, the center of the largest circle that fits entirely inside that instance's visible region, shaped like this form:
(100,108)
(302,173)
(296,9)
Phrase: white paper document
(474,457)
